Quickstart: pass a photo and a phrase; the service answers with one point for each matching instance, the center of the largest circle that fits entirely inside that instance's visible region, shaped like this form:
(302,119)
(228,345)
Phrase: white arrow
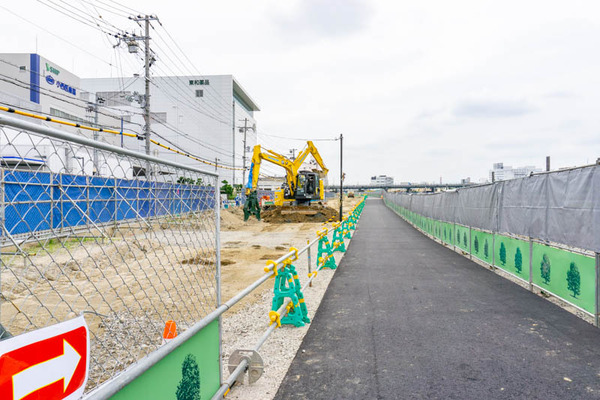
(43,374)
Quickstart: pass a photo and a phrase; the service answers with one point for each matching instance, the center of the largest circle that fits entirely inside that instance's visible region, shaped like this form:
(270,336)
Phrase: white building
(204,116)
(501,172)
(382,180)
(35,84)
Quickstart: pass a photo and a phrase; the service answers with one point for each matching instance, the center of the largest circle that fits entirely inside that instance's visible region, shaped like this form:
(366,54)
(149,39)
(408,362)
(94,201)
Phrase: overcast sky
(420,90)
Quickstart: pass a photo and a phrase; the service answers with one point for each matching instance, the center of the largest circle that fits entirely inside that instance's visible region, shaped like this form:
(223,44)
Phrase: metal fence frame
(28,128)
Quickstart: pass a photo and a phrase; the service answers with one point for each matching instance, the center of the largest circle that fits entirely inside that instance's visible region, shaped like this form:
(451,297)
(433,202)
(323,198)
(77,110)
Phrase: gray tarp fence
(561,207)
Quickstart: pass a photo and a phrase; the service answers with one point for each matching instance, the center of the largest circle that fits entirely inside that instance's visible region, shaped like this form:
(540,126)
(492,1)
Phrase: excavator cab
(307,187)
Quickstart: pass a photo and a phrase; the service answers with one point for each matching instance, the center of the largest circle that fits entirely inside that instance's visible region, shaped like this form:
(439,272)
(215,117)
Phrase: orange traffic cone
(170,331)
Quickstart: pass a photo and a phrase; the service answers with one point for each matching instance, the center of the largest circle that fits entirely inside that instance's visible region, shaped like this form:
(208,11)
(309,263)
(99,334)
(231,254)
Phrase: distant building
(202,115)
(501,172)
(38,85)
(382,180)
(271,182)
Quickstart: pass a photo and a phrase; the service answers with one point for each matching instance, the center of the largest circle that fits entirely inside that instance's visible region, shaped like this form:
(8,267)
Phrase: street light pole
(341,173)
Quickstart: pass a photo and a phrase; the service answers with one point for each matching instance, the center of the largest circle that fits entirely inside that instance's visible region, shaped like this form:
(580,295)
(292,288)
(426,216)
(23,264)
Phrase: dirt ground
(254,242)
(247,245)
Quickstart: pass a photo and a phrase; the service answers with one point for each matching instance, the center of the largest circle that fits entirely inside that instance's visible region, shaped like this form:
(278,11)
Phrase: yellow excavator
(300,187)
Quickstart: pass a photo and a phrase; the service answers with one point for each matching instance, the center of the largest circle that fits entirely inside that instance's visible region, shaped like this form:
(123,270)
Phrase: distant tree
(518,261)
(186,181)
(574,280)
(189,386)
(486,249)
(464,239)
(227,189)
(545,269)
(502,253)
(476,245)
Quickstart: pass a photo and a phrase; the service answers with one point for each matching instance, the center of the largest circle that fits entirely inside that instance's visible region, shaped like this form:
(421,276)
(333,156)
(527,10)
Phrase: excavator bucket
(251,206)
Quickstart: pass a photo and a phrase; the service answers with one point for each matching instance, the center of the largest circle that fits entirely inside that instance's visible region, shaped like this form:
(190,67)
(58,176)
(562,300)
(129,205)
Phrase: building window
(63,115)
(116,99)
(22,68)
(199,93)
(159,116)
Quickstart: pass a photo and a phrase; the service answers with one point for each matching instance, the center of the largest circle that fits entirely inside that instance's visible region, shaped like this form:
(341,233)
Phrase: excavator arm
(310,149)
(273,157)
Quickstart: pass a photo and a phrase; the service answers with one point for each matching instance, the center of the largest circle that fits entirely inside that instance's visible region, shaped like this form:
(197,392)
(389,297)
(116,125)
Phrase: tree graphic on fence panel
(476,245)
(189,386)
(545,269)
(574,280)
(518,261)
(486,249)
(502,253)
(457,236)
(464,239)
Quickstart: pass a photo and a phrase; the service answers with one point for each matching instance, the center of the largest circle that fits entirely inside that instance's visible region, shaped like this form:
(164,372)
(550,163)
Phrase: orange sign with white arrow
(50,363)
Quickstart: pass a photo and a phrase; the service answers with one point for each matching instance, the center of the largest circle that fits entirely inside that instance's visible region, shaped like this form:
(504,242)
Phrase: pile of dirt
(287,214)
(232,218)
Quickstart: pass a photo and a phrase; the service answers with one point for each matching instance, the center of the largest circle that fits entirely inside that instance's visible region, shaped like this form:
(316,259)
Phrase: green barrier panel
(437,232)
(190,372)
(448,233)
(567,275)
(570,276)
(481,245)
(512,255)
(461,237)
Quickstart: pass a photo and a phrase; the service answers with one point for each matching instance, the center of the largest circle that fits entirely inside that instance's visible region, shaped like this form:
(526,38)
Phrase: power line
(58,37)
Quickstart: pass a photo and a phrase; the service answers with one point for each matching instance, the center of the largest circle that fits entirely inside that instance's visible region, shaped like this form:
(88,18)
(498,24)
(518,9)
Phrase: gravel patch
(242,330)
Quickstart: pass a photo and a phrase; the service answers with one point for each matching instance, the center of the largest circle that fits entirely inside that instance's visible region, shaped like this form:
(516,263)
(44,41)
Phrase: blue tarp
(39,201)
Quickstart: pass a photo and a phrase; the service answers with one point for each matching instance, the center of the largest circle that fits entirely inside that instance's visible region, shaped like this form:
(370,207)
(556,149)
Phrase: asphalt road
(407,318)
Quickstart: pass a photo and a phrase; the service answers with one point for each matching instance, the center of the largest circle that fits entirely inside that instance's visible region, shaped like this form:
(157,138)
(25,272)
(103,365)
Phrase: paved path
(407,318)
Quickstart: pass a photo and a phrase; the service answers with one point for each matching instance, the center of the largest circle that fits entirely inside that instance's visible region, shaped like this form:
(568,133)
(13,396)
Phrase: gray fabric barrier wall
(561,207)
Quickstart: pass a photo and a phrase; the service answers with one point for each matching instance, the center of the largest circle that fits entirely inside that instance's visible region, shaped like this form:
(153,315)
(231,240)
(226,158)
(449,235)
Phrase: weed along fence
(95,261)
(543,229)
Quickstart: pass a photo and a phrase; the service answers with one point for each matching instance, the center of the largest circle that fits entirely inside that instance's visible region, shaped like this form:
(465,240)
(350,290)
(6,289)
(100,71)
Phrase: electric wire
(58,37)
(79,126)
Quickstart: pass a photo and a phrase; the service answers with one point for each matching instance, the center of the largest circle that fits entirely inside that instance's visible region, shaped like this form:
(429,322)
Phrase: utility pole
(95,105)
(233,143)
(341,173)
(244,153)
(148,63)
(96,169)
(293,151)
(245,128)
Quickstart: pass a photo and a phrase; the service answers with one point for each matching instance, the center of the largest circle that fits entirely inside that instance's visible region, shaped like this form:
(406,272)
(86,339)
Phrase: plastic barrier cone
(170,331)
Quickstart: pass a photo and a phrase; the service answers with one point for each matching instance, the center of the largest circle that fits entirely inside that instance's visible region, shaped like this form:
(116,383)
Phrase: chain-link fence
(128,240)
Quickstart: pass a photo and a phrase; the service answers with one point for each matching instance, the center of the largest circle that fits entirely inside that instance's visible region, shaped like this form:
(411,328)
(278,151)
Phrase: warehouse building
(207,116)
